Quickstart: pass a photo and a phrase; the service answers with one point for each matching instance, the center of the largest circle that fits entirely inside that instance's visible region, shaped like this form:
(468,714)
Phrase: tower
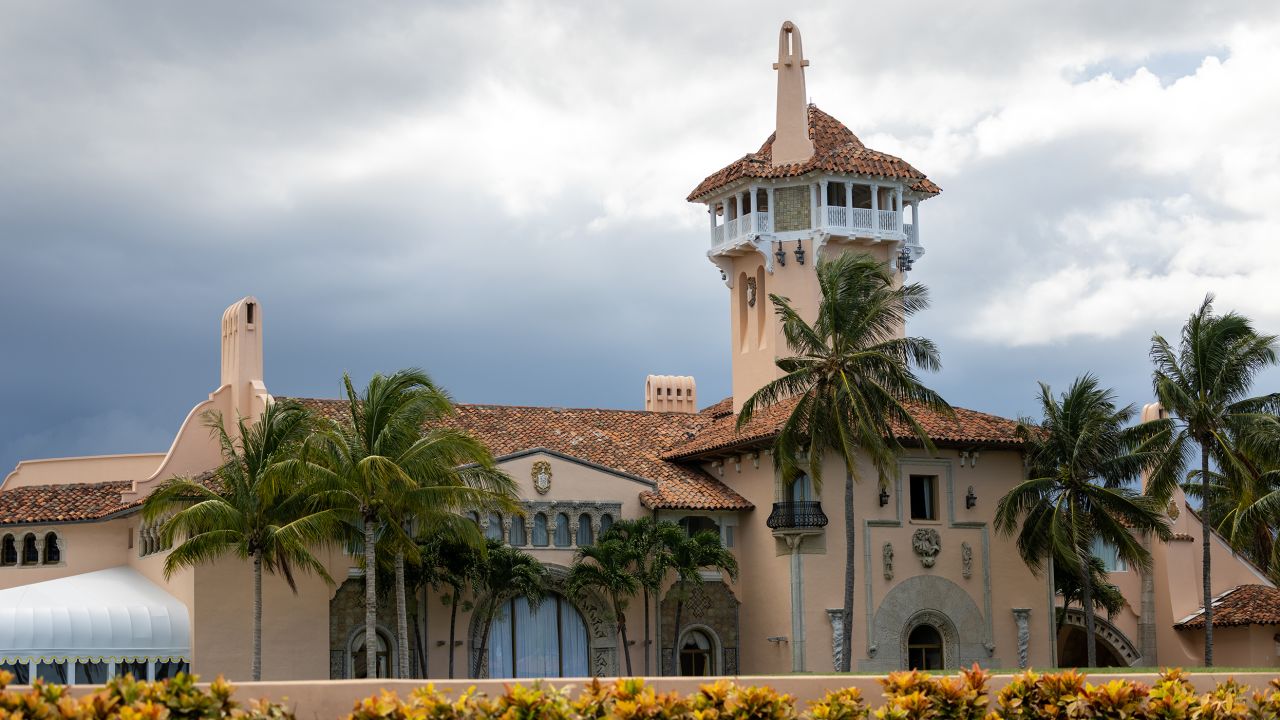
(812,190)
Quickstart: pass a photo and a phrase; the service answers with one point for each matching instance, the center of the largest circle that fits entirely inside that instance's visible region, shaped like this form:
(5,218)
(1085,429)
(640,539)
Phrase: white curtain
(540,530)
(500,644)
(536,642)
(573,642)
(562,530)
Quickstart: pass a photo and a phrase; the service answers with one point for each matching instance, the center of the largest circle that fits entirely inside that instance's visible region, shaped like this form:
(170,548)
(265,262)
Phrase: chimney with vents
(670,393)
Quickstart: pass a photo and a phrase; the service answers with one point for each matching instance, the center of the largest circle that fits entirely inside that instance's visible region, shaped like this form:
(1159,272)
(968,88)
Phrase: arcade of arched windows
(551,524)
(31,548)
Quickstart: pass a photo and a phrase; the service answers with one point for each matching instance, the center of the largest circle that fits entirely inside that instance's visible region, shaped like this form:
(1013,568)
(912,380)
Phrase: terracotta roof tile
(835,150)
(1242,605)
(62,503)
(629,441)
(967,427)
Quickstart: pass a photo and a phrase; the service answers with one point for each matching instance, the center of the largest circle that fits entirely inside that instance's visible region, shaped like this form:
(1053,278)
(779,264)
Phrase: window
(52,555)
(924,497)
(517,531)
(494,531)
(539,530)
(924,648)
(696,655)
(546,640)
(606,522)
(9,551)
(358,659)
(585,534)
(30,553)
(695,524)
(1109,555)
(563,537)
(91,673)
(801,489)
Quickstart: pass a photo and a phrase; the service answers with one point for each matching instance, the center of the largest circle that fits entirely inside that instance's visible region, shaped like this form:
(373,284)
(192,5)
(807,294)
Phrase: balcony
(862,222)
(797,515)
(740,228)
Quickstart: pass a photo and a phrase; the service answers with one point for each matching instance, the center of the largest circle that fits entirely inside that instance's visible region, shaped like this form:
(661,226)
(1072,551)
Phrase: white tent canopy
(112,615)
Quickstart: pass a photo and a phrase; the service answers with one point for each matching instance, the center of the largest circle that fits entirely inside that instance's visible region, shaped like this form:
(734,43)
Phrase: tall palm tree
(454,559)
(1079,460)
(652,544)
(691,554)
(251,508)
(1205,384)
(1106,596)
(505,573)
(607,567)
(1245,472)
(855,385)
(392,461)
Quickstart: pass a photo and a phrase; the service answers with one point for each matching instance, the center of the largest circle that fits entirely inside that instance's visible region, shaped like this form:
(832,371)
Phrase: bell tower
(812,190)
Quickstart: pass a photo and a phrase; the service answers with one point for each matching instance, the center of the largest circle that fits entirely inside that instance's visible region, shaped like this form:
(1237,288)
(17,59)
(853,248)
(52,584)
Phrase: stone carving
(837,629)
(926,542)
(1022,616)
(541,474)
(945,627)
(966,560)
(887,554)
(751,292)
(1173,510)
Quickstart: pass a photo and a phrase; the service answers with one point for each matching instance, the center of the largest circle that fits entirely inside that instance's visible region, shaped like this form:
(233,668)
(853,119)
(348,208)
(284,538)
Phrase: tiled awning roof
(836,150)
(1242,605)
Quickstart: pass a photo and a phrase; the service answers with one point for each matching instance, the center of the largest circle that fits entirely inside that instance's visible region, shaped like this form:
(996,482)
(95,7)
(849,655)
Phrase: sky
(494,191)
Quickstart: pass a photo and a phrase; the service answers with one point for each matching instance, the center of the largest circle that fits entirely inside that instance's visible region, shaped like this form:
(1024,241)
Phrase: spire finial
(791,143)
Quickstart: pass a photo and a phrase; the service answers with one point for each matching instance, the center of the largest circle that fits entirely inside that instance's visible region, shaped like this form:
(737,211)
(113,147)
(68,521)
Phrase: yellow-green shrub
(842,704)
(178,698)
(724,700)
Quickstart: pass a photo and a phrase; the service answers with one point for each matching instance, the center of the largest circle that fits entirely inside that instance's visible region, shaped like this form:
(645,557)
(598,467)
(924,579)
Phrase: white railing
(860,218)
(837,216)
(909,229)
(740,227)
(890,221)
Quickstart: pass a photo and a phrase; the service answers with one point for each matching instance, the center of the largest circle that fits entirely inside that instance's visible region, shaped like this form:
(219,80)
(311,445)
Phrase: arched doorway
(924,648)
(548,639)
(699,653)
(384,659)
(1114,649)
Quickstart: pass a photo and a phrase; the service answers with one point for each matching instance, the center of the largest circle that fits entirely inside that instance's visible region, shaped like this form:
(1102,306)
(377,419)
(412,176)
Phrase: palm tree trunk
(453,624)
(850,565)
(1205,563)
(402,617)
(1086,599)
(647,636)
(675,641)
(255,670)
(370,603)
(482,655)
(622,630)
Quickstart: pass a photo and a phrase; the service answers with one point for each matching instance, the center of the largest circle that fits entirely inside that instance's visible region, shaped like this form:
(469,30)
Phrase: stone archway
(707,604)
(1109,638)
(602,635)
(932,600)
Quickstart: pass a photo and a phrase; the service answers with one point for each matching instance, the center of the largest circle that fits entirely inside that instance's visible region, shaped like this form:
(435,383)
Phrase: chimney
(670,393)
(791,142)
(242,358)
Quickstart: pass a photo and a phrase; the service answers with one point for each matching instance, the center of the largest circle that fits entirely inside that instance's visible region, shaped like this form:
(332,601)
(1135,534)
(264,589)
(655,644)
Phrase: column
(813,205)
(875,209)
(897,201)
(797,604)
(71,672)
(151,670)
(773,209)
(848,197)
(1022,617)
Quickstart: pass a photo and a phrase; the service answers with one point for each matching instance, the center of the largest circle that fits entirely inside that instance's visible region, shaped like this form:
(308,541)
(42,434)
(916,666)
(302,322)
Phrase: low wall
(332,699)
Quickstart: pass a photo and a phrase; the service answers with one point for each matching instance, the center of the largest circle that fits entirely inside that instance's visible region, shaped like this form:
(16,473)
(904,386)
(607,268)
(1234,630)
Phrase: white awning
(115,614)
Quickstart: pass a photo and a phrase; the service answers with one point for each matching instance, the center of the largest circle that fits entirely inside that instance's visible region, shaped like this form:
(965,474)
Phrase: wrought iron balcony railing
(797,514)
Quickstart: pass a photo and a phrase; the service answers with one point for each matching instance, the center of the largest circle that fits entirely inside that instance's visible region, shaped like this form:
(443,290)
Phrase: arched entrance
(946,608)
(357,655)
(548,639)
(924,648)
(699,654)
(1114,649)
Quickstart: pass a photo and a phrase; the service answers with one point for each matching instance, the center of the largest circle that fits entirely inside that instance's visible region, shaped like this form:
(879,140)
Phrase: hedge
(907,696)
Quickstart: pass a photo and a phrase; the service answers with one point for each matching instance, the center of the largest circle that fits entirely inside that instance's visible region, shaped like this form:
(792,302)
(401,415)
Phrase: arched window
(52,555)
(801,489)
(697,654)
(924,648)
(494,531)
(547,640)
(585,534)
(517,531)
(357,659)
(562,530)
(30,552)
(606,522)
(9,551)
(539,530)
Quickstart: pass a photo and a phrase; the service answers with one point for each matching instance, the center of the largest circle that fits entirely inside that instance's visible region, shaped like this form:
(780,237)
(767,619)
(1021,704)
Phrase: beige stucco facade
(944,568)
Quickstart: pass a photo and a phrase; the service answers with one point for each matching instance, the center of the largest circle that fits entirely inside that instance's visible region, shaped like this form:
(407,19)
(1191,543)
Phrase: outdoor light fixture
(970,499)
(799,253)
(723,276)
(904,260)
(781,255)
(884,496)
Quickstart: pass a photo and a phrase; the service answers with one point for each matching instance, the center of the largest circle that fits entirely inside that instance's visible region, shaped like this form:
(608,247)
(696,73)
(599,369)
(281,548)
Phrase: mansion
(83,594)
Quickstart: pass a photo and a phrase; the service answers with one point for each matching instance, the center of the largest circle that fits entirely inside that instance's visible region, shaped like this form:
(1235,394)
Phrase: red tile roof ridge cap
(553,408)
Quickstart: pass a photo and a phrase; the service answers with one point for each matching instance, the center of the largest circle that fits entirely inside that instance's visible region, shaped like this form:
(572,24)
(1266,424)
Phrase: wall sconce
(776,639)
(884,496)
(781,255)
(799,253)
(970,499)
(904,260)
(723,277)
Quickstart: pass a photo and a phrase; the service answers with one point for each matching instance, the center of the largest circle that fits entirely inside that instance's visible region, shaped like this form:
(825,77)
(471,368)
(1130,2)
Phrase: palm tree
(607,567)
(381,469)
(454,559)
(854,382)
(251,508)
(1078,461)
(1204,384)
(652,544)
(691,554)
(505,573)
(1245,493)
(1106,596)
